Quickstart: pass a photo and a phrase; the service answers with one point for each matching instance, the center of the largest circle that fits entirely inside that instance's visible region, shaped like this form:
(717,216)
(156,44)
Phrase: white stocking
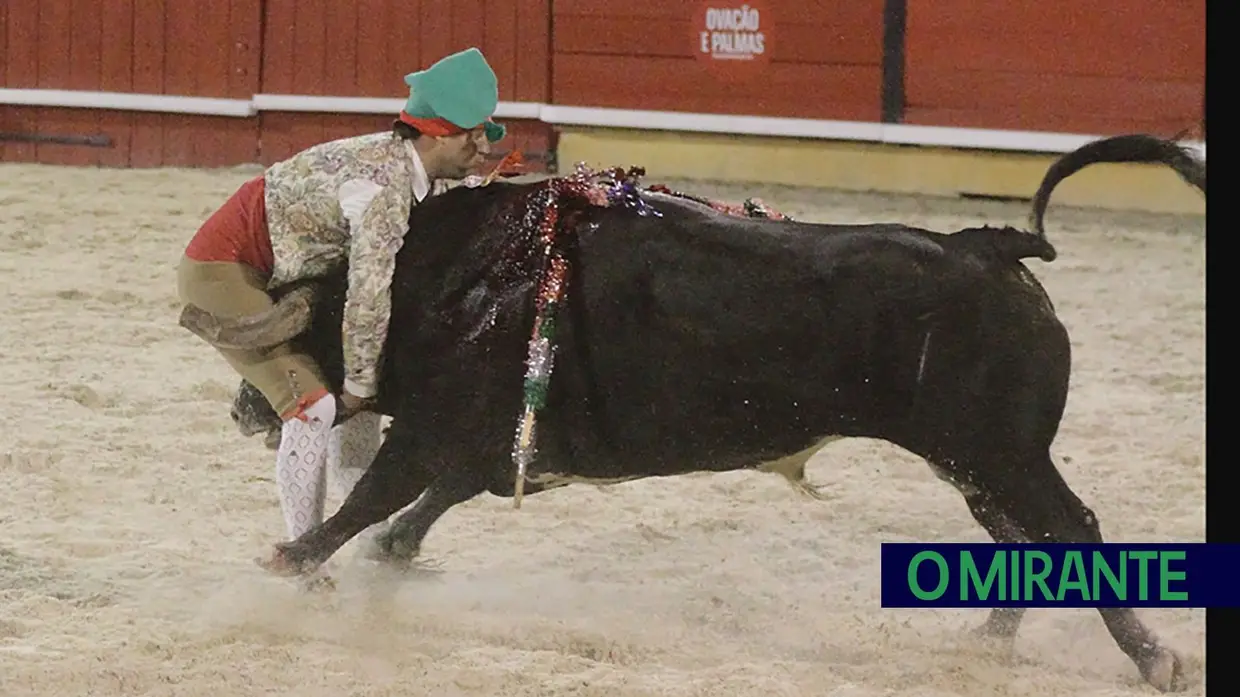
(300,462)
(352,448)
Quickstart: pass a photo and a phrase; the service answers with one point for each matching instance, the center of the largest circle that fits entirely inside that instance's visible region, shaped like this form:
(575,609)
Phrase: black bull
(698,341)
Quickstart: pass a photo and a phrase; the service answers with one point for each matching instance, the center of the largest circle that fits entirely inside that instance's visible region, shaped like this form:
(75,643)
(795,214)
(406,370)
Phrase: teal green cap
(460,88)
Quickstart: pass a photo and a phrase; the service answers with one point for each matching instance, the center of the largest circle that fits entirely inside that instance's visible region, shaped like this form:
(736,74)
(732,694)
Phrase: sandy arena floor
(132,508)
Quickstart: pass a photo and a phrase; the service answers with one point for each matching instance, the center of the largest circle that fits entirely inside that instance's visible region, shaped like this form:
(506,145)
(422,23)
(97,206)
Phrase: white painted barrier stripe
(711,123)
(371,105)
(176,104)
(340,105)
(993,139)
(165,103)
(905,134)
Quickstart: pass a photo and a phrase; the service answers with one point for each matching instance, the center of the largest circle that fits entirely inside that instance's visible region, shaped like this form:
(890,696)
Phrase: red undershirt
(237,232)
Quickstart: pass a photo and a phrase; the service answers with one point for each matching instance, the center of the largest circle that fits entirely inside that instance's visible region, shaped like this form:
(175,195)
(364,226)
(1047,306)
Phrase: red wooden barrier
(1106,66)
(219,49)
(370,59)
(142,46)
(824,59)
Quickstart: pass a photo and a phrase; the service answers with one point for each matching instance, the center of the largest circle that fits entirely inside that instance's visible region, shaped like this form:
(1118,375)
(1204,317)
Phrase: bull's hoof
(318,582)
(386,550)
(398,557)
(992,642)
(282,562)
(1164,670)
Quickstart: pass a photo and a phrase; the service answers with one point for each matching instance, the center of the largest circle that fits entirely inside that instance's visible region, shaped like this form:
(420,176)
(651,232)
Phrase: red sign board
(732,37)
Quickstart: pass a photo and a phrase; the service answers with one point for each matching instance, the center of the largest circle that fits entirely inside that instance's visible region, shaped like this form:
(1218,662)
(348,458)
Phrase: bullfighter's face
(463,152)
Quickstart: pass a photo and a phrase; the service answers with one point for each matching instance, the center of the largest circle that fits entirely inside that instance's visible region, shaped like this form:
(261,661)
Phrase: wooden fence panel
(665,84)
(340,48)
(202,65)
(432,33)
(373,44)
(499,43)
(1050,65)
(1102,67)
(825,60)
(372,50)
(245,35)
(21,63)
(238,71)
(469,25)
(181,44)
(83,57)
(71,62)
(5,112)
(211,141)
(116,63)
(20,68)
(120,46)
(147,144)
(532,78)
(55,20)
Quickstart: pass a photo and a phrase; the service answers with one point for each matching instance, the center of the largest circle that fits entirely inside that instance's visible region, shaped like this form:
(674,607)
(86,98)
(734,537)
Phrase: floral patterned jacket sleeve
(338,203)
(368,301)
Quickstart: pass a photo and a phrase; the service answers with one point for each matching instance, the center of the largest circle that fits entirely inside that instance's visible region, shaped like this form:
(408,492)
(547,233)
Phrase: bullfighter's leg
(288,378)
(300,465)
(1044,508)
(401,542)
(352,447)
(392,482)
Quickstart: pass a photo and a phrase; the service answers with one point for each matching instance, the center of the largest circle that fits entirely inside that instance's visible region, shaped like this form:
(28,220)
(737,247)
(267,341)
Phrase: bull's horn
(286,319)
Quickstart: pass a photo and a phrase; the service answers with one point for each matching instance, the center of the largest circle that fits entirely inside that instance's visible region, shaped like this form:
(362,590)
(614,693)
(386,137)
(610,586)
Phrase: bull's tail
(1139,148)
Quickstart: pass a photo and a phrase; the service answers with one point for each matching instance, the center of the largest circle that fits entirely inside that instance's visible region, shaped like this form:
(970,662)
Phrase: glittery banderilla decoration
(584,188)
(540,356)
(543,220)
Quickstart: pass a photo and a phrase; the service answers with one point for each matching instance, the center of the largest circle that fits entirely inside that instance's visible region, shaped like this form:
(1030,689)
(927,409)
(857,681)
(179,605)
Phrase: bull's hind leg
(1003,622)
(1038,502)
(392,482)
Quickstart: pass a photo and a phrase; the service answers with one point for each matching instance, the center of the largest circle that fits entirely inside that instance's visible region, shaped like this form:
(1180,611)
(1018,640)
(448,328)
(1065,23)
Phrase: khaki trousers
(230,289)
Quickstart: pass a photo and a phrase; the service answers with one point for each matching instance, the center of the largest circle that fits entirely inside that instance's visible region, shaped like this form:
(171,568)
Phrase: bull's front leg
(393,481)
(402,541)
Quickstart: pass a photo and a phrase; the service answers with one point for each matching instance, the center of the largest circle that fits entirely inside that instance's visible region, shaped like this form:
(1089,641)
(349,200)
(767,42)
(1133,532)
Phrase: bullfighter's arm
(378,218)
